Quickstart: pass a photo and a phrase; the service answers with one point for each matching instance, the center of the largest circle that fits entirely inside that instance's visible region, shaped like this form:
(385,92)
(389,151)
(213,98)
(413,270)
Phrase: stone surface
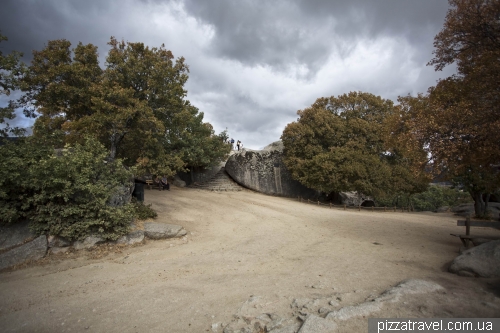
(33,250)
(56,241)
(353,199)
(178,182)
(58,250)
(15,234)
(482,260)
(315,324)
(264,171)
(468,209)
(122,194)
(408,287)
(288,329)
(443,209)
(219,182)
(300,302)
(132,238)
(199,175)
(155,230)
(88,242)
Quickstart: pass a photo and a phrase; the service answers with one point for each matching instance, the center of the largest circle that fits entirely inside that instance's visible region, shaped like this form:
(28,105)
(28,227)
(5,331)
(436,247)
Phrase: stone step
(220,182)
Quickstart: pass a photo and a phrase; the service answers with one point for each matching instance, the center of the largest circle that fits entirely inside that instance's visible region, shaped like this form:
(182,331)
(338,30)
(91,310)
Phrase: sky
(253,64)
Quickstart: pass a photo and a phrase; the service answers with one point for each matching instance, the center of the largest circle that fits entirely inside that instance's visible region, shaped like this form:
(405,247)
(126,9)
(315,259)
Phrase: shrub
(142,211)
(67,195)
(430,200)
(439,196)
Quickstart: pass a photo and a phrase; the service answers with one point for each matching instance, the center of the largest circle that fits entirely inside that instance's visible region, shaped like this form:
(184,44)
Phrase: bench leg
(463,241)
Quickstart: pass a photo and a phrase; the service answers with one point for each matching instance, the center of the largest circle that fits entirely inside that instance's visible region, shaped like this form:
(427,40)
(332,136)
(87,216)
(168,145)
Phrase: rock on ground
(15,234)
(315,324)
(178,182)
(155,230)
(88,242)
(57,241)
(33,250)
(408,287)
(132,238)
(482,260)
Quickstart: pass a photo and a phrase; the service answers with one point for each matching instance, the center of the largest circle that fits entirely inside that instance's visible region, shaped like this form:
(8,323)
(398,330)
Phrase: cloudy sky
(253,63)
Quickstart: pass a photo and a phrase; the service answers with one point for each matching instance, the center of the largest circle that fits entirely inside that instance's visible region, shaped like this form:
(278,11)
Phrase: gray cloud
(253,64)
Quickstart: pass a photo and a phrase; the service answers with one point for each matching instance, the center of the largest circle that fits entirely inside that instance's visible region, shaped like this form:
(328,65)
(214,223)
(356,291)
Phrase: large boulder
(132,238)
(178,181)
(122,194)
(33,250)
(482,260)
(264,171)
(14,235)
(352,198)
(88,243)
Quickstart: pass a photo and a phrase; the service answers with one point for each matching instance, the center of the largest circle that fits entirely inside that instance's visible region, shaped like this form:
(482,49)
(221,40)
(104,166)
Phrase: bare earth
(242,244)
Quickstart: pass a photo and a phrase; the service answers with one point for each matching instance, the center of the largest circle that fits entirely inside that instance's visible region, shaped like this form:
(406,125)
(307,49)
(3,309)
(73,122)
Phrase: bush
(430,200)
(439,196)
(66,195)
(142,211)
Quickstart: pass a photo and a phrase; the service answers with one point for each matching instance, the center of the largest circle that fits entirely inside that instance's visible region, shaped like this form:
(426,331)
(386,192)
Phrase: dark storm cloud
(283,33)
(253,63)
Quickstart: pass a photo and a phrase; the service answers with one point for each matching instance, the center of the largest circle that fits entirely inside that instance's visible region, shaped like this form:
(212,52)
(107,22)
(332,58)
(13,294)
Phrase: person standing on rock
(232,143)
(238,144)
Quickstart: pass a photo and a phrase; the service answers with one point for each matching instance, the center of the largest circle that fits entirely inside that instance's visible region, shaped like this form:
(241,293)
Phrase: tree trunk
(192,176)
(112,150)
(480,205)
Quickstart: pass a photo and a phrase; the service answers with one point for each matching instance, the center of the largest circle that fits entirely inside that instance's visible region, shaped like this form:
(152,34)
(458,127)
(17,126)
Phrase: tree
(405,149)
(66,192)
(195,141)
(337,144)
(131,105)
(11,70)
(462,122)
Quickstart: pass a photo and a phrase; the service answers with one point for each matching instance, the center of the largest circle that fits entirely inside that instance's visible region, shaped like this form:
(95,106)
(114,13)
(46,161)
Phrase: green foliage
(11,69)
(18,158)
(135,106)
(142,211)
(340,144)
(462,120)
(65,193)
(430,200)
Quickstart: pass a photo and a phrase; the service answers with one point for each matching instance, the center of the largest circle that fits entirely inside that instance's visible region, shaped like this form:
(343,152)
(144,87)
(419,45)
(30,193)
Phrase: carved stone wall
(264,171)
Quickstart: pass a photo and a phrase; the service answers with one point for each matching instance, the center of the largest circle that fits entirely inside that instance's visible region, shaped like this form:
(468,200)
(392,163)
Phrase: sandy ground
(242,244)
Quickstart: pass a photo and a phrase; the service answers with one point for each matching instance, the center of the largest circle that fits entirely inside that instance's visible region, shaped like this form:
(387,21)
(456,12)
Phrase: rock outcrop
(15,235)
(264,171)
(33,250)
(482,260)
(320,315)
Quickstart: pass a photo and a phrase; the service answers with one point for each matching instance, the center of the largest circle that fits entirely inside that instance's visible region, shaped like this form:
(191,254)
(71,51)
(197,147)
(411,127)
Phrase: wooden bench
(151,183)
(467,238)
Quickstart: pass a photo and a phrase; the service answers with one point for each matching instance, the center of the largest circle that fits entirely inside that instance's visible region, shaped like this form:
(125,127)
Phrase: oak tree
(131,106)
(337,144)
(462,123)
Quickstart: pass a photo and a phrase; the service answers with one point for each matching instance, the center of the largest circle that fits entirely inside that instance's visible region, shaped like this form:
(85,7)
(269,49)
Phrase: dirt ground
(243,244)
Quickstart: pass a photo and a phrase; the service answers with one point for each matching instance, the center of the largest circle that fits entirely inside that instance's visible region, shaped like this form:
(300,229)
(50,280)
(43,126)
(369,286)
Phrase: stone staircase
(221,181)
